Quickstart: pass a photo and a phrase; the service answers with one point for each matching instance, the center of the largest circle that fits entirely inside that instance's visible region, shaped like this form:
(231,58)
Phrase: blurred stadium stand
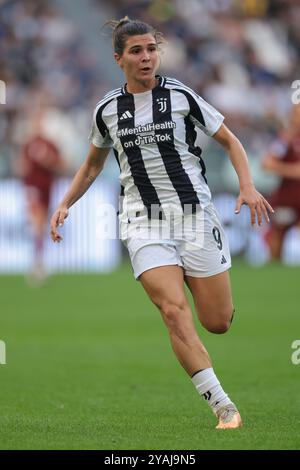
(240,55)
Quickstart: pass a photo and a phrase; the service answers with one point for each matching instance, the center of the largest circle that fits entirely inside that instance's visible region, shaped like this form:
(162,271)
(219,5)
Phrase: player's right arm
(83,179)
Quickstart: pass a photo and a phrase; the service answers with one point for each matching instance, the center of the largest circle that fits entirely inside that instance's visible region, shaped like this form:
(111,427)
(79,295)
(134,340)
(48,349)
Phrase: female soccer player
(283,159)
(40,163)
(150,123)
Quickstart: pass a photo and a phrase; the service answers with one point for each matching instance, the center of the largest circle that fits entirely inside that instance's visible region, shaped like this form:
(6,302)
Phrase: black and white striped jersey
(153,137)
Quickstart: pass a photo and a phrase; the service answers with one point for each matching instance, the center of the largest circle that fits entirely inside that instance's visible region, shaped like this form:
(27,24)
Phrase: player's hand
(57,220)
(258,205)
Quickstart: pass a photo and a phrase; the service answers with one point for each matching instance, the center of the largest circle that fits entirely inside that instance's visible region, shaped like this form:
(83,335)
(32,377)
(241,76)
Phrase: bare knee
(218,324)
(218,328)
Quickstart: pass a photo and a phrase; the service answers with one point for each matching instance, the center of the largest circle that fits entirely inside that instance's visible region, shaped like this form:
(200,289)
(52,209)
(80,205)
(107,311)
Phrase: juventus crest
(162,103)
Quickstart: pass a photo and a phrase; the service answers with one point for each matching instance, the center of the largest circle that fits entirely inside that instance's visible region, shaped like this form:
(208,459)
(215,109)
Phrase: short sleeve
(99,134)
(203,115)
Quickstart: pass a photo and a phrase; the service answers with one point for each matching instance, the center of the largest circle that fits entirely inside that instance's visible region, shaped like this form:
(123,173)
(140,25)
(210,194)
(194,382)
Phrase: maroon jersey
(41,159)
(288,192)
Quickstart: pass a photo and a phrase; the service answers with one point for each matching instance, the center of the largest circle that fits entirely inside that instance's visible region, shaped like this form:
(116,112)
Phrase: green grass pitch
(89,366)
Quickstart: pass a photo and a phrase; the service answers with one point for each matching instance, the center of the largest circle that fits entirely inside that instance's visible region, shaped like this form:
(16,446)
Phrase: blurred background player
(40,163)
(283,160)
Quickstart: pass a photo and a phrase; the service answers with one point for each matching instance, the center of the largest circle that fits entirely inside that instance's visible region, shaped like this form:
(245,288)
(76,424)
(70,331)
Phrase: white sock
(210,389)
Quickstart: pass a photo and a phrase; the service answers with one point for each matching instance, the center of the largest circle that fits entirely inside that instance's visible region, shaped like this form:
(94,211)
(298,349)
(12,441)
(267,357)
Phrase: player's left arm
(258,205)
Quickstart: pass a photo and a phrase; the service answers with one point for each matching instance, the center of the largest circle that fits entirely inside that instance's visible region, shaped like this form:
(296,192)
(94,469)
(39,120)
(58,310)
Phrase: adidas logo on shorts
(223,260)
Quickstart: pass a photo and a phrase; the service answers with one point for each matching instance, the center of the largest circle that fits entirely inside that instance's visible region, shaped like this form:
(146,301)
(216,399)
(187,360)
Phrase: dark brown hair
(126,27)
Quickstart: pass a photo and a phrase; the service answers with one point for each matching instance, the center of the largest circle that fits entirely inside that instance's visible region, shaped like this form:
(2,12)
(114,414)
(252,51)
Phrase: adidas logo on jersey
(223,260)
(126,115)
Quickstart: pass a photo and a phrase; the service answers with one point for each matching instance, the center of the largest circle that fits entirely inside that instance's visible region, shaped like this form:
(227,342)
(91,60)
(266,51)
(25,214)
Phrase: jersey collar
(161,83)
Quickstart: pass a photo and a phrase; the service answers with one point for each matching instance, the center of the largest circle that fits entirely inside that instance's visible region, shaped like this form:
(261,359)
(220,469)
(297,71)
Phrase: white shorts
(201,255)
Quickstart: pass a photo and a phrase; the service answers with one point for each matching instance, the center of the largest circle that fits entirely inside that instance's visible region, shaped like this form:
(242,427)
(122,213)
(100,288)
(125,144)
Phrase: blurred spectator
(283,159)
(41,54)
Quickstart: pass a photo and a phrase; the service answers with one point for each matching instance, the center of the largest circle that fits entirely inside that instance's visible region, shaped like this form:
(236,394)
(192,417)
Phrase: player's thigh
(164,284)
(165,287)
(212,297)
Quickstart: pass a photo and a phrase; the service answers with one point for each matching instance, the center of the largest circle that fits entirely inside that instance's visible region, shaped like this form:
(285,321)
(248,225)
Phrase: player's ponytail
(126,27)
